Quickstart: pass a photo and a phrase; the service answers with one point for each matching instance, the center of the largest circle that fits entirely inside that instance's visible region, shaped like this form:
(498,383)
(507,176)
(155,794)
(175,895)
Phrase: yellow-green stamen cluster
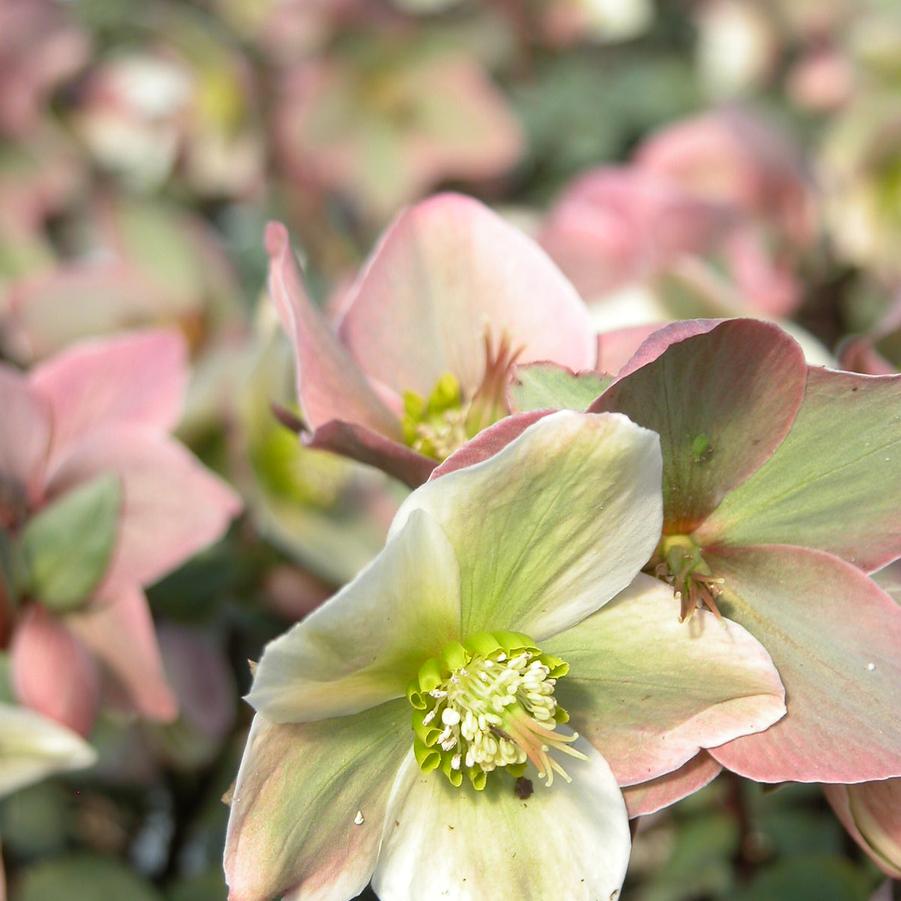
(435,426)
(489,704)
(678,561)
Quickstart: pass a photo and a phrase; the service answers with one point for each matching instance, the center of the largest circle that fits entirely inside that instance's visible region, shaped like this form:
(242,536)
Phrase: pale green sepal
(67,547)
(365,645)
(462,844)
(309,804)
(546,386)
(32,747)
(550,528)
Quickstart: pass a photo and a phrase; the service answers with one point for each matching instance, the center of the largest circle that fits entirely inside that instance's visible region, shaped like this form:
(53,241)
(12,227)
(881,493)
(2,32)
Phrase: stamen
(496,708)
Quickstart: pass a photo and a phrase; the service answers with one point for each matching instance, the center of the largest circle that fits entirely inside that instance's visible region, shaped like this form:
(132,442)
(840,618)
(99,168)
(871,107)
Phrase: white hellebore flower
(32,747)
(412,730)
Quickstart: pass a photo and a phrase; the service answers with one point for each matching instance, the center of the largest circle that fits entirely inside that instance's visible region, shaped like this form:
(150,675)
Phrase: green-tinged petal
(722,395)
(649,691)
(568,841)
(871,812)
(546,386)
(552,526)
(834,637)
(363,646)
(32,747)
(834,483)
(308,807)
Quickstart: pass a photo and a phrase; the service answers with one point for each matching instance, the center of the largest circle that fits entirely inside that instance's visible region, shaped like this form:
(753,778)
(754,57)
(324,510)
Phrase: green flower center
(678,561)
(487,705)
(438,424)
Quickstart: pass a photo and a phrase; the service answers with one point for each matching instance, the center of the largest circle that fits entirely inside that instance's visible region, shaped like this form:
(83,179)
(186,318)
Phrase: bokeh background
(676,158)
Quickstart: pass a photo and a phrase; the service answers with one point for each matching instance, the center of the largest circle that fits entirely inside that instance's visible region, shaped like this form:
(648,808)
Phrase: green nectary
(489,704)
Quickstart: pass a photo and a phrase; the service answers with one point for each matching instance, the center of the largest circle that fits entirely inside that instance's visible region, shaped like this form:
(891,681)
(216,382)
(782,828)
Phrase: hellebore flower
(96,500)
(871,812)
(781,488)
(450,300)
(32,747)
(382,126)
(403,728)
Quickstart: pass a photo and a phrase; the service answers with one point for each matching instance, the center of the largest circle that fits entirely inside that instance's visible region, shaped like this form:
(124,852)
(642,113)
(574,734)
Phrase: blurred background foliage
(145,144)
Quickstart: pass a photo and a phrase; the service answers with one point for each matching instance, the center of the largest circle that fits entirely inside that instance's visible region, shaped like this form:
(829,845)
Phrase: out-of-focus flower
(871,812)
(737,47)
(735,158)
(187,107)
(451,299)
(400,727)
(384,125)
(96,501)
(603,21)
(781,491)
(39,48)
(330,514)
(860,172)
(32,747)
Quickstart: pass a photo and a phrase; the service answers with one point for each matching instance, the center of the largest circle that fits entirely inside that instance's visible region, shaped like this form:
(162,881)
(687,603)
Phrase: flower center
(438,424)
(489,704)
(678,561)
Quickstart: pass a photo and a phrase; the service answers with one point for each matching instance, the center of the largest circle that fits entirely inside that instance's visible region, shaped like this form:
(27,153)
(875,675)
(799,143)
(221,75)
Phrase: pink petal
(118,628)
(871,812)
(362,444)
(721,394)
(445,271)
(649,797)
(52,672)
(488,442)
(172,506)
(24,441)
(136,379)
(620,224)
(834,637)
(616,348)
(329,384)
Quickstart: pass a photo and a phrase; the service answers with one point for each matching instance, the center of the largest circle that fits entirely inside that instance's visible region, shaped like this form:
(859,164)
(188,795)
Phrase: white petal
(568,841)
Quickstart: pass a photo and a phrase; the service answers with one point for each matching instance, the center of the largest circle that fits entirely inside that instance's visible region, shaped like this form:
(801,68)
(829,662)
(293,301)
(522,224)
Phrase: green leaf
(68,545)
(543,386)
(83,877)
(808,878)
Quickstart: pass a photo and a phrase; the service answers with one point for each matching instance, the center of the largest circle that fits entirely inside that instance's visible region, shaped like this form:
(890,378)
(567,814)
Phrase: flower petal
(649,691)
(871,812)
(136,379)
(445,270)
(552,526)
(118,629)
(172,508)
(567,841)
(834,483)
(309,804)
(329,383)
(366,446)
(649,797)
(32,747)
(52,673)
(722,402)
(834,637)
(24,439)
(366,644)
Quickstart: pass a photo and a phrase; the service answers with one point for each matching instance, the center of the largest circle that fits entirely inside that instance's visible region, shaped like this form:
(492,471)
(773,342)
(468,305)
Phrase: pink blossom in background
(105,406)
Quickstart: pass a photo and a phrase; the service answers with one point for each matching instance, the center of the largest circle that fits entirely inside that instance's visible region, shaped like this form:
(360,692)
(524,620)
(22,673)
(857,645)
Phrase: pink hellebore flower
(451,298)
(103,407)
(382,131)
